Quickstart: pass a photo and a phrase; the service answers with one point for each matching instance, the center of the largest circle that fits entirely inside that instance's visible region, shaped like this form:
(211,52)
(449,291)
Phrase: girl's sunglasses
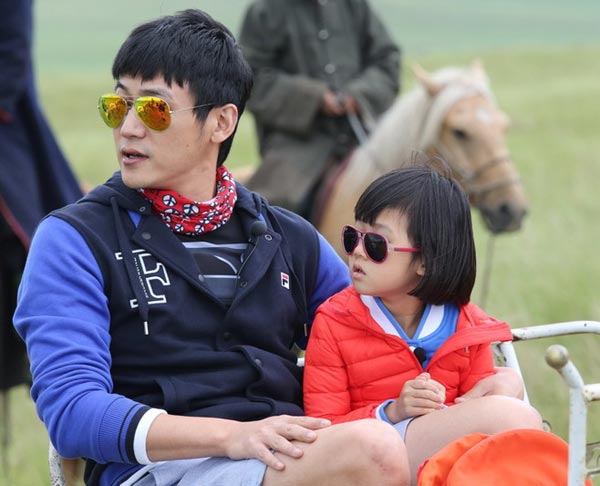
(154,112)
(376,246)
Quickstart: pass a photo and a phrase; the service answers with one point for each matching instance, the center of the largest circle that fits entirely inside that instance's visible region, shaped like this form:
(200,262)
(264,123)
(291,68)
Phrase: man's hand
(505,381)
(261,439)
(330,104)
(338,104)
(418,397)
(350,105)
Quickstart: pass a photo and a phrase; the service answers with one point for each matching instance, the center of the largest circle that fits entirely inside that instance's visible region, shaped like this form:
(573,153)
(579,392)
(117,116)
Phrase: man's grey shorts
(206,471)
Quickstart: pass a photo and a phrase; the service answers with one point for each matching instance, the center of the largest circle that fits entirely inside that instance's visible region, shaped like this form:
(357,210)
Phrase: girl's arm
(504,381)
(482,366)
(326,388)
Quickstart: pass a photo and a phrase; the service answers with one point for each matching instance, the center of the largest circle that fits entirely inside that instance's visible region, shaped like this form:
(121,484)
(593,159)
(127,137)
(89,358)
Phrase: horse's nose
(504,217)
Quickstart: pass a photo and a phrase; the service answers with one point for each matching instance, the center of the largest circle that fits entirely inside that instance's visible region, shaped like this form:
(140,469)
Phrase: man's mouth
(132,154)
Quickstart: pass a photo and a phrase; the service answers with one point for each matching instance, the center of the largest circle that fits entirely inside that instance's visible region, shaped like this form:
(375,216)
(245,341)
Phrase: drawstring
(131,266)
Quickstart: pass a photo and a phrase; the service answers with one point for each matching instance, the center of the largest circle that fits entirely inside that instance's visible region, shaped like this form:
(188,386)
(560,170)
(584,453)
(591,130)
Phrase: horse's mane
(412,123)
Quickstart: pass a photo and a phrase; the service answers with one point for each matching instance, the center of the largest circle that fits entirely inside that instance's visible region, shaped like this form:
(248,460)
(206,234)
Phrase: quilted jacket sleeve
(481,354)
(482,365)
(326,386)
(284,100)
(377,85)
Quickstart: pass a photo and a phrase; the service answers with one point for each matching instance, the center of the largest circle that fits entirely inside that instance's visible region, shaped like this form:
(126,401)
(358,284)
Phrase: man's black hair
(439,223)
(190,48)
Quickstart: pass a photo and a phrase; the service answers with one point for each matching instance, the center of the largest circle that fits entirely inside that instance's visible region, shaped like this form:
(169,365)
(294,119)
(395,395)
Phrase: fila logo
(285,280)
(152,274)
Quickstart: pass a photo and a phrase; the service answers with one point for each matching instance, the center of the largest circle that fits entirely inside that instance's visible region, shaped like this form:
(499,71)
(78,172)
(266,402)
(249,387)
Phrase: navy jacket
(34,175)
(118,267)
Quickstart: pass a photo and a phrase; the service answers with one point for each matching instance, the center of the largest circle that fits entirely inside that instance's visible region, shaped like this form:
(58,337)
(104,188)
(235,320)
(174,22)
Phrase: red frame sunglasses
(376,246)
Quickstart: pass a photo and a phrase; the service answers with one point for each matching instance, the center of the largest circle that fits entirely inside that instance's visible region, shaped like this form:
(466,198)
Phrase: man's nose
(132,126)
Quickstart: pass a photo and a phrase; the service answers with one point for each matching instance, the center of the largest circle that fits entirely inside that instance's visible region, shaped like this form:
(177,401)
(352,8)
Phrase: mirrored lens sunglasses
(376,246)
(154,112)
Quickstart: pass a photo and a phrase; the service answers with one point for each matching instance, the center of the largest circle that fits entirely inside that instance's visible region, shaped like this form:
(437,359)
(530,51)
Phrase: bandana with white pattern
(187,217)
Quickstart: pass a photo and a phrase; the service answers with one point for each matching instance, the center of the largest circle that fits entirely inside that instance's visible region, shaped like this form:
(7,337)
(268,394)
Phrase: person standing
(35,177)
(318,65)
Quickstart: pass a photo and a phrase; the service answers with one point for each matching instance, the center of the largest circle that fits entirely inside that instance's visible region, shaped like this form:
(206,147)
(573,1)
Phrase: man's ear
(226,118)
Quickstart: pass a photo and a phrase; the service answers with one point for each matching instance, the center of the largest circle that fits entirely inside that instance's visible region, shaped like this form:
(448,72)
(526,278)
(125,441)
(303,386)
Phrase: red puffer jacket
(352,365)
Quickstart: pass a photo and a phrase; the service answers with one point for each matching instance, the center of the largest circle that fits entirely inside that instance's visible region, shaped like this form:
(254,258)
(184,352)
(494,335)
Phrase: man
(159,311)
(317,65)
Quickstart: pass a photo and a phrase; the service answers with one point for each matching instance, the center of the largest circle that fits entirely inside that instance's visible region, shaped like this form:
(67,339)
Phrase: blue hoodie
(103,270)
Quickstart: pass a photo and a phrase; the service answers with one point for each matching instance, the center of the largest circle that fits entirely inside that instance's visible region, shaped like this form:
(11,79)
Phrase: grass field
(544,64)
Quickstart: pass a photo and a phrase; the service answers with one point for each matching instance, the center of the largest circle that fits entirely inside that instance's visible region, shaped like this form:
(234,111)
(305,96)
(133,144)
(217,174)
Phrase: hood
(114,188)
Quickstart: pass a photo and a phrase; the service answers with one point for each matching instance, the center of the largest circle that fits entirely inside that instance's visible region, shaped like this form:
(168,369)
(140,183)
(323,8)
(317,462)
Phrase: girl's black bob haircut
(439,223)
(190,48)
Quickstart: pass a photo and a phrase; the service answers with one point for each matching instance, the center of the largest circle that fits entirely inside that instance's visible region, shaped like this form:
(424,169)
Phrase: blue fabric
(431,342)
(329,271)
(70,355)
(212,471)
(380,413)
(34,175)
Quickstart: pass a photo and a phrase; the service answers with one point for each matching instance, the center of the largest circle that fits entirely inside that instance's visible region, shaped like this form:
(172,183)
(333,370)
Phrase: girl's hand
(418,397)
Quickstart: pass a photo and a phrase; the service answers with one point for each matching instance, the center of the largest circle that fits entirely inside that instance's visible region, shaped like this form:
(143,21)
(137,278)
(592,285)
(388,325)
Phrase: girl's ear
(420,267)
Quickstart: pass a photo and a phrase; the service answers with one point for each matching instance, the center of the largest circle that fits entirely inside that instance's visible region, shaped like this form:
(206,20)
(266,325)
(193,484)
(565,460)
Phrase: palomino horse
(451,114)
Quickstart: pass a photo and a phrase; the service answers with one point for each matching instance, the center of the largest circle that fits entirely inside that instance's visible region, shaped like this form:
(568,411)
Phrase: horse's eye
(460,134)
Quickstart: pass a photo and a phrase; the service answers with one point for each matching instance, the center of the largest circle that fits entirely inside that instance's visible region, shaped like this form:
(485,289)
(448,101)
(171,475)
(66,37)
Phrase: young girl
(404,342)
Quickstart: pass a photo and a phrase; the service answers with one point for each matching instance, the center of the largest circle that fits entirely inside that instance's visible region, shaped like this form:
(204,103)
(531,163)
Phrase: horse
(451,114)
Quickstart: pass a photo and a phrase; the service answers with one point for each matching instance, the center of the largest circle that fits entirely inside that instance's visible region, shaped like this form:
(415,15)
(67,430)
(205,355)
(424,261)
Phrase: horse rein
(469,179)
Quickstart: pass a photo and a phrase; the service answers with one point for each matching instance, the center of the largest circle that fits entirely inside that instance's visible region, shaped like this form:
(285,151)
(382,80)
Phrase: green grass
(78,36)
(545,76)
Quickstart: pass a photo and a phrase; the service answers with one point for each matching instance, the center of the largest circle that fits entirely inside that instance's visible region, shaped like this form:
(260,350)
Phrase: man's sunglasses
(154,112)
(376,246)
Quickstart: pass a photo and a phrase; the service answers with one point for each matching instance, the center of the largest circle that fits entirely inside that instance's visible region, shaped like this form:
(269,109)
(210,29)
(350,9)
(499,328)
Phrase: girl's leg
(361,453)
(429,433)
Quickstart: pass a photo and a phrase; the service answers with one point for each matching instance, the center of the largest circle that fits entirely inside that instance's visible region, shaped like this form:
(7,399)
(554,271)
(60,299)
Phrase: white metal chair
(584,459)
(64,472)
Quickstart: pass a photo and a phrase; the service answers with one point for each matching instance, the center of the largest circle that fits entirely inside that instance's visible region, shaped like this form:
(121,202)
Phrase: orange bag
(522,457)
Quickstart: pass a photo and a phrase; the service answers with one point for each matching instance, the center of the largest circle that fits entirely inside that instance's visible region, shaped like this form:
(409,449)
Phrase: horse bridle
(469,179)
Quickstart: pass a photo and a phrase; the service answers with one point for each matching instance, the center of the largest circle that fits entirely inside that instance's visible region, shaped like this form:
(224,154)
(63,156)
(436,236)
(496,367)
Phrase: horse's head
(466,128)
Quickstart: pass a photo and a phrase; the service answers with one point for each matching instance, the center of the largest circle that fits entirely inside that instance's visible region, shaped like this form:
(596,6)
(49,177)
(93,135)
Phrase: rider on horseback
(315,65)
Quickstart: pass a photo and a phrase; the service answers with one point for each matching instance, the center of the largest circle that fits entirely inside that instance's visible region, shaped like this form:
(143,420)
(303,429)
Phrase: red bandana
(192,218)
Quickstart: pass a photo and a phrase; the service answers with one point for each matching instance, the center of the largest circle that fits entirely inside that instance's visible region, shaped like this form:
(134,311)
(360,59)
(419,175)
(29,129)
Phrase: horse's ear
(477,68)
(504,120)
(424,78)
